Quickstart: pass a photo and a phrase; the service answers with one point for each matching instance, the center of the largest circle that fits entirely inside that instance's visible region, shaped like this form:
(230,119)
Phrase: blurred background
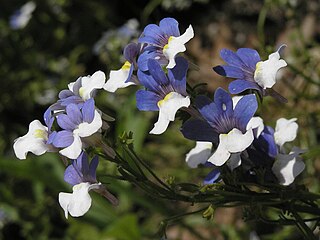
(61,40)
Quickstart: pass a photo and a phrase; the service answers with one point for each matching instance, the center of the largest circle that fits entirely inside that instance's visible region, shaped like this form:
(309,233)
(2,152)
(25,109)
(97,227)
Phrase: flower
(164,93)
(224,125)
(22,16)
(165,42)
(34,141)
(78,123)
(82,177)
(124,76)
(251,73)
(286,131)
(199,154)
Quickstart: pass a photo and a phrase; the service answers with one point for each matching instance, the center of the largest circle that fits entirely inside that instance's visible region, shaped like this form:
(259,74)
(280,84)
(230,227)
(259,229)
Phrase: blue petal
(157,73)
(148,81)
(223,101)
(240,85)
(71,175)
(266,142)
(65,93)
(208,109)
(147,100)
(74,113)
(229,71)
(93,168)
(199,130)
(129,79)
(244,111)
(63,139)
(88,110)
(170,27)
(65,123)
(232,59)
(70,100)
(249,56)
(177,75)
(152,34)
(82,164)
(130,52)
(51,137)
(212,177)
(151,52)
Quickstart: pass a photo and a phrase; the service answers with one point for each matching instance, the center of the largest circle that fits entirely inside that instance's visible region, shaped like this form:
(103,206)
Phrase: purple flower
(78,122)
(164,43)
(250,72)
(224,124)
(164,93)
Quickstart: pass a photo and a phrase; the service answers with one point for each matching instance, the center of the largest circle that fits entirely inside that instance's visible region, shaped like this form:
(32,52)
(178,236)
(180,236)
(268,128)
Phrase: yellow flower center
(38,133)
(167,45)
(126,66)
(258,68)
(166,98)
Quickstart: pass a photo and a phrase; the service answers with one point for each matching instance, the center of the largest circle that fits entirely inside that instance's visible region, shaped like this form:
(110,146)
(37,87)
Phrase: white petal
(167,110)
(78,202)
(265,74)
(235,141)
(256,123)
(176,45)
(90,83)
(199,154)
(286,131)
(288,166)
(87,129)
(34,141)
(220,156)
(234,161)
(74,150)
(117,78)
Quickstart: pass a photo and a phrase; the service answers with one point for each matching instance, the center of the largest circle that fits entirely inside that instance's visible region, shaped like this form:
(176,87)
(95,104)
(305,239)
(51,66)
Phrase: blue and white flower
(164,93)
(250,72)
(124,77)
(22,16)
(164,43)
(34,141)
(78,124)
(223,125)
(82,176)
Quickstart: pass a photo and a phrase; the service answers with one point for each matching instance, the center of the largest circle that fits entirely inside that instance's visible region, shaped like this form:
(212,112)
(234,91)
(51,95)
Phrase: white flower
(89,84)
(256,123)
(286,131)
(34,141)
(288,166)
(22,16)
(79,201)
(233,142)
(199,154)
(118,78)
(176,45)
(265,73)
(167,110)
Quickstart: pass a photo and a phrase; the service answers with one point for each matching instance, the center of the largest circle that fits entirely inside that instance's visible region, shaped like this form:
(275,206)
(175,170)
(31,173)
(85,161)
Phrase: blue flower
(164,93)
(124,77)
(82,176)
(164,43)
(225,124)
(251,73)
(78,122)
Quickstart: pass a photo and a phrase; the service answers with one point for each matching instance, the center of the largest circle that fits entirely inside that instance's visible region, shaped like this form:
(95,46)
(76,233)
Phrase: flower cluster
(228,134)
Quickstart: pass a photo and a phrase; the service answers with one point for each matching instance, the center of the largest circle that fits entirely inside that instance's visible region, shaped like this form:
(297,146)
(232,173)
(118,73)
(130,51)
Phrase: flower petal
(147,100)
(90,83)
(265,74)
(118,78)
(249,56)
(220,156)
(288,167)
(235,141)
(63,139)
(176,45)
(170,27)
(157,73)
(286,131)
(238,86)
(199,154)
(167,110)
(87,129)
(177,75)
(256,123)
(34,141)
(229,71)
(234,161)
(74,150)
(79,202)
(212,177)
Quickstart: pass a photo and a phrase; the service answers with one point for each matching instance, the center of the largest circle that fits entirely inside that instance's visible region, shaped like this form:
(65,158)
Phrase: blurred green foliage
(66,39)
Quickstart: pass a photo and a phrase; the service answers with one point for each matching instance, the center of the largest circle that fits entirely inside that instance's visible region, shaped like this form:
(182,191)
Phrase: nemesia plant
(250,163)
